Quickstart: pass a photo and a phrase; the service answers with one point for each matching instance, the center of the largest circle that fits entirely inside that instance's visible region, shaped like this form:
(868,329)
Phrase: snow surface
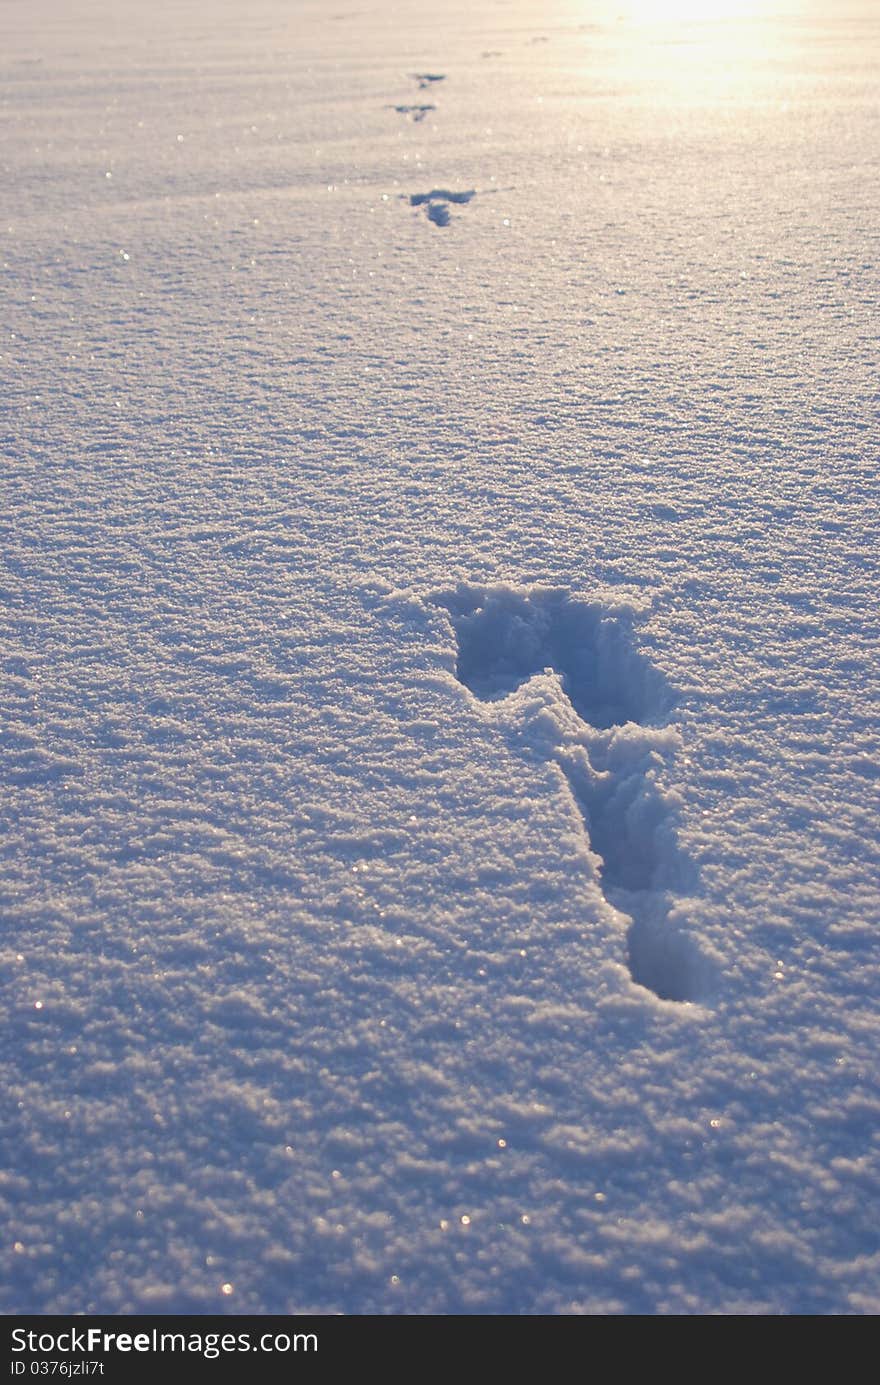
(440,592)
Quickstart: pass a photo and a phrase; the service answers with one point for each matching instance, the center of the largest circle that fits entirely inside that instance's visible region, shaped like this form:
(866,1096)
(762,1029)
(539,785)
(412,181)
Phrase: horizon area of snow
(439,658)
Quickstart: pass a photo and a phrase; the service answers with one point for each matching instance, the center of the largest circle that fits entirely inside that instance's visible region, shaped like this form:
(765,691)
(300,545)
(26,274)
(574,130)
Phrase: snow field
(439,661)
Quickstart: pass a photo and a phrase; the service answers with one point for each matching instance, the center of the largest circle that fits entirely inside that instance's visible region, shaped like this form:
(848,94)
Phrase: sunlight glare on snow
(699,51)
(673,11)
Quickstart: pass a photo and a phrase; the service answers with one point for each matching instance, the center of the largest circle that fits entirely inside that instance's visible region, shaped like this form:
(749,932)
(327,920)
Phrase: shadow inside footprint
(627,820)
(415,113)
(506,636)
(436,203)
(438,212)
(427,79)
(663,958)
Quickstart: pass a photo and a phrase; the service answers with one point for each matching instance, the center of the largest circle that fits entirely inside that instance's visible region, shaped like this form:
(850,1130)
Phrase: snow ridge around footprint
(611,742)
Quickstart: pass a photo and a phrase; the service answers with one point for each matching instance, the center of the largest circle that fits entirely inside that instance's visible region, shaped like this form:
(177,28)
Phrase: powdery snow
(440,739)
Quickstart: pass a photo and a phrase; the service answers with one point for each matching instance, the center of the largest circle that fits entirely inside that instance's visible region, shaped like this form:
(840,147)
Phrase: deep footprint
(506,636)
(628,822)
(661,956)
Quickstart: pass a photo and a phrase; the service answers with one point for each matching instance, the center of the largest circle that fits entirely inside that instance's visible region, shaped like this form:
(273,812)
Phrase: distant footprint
(507,636)
(415,113)
(427,79)
(436,203)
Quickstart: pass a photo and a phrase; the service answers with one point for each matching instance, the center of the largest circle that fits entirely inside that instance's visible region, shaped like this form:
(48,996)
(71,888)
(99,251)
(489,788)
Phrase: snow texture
(440,744)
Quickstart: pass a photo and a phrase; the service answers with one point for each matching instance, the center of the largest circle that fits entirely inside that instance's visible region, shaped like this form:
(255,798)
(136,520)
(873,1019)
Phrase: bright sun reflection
(697,51)
(674,11)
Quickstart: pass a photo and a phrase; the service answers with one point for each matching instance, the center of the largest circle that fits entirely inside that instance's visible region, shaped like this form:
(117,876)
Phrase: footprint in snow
(436,203)
(414,113)
(427,79)
(507,635)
